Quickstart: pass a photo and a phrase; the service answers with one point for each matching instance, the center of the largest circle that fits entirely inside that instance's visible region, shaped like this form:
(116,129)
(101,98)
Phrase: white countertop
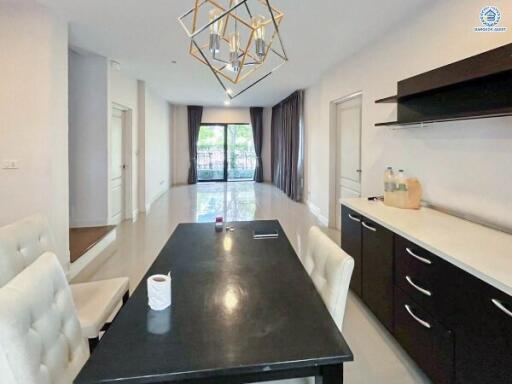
(483,252)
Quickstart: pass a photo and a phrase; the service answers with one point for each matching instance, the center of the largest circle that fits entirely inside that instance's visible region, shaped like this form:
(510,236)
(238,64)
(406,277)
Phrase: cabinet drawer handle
(417,287)
(422,322)
(368,227)
(501,307)
(354,218)
(422,259)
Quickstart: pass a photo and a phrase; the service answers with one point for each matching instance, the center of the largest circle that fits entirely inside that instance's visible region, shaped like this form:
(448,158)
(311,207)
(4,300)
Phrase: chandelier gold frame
(247,58)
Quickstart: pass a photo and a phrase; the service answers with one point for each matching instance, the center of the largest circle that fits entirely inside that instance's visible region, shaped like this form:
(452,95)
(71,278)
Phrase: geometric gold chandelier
(239,40)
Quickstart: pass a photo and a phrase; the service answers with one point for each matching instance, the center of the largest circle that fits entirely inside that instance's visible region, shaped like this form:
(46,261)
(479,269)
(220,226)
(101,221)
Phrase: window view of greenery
(211,155)
(241,155)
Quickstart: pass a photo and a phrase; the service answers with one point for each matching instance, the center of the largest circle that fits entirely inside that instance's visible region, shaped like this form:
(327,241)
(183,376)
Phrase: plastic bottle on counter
(389,185)
(401,188)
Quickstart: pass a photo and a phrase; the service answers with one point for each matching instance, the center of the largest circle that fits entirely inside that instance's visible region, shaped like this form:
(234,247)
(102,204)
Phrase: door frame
(129,211)
(333,151)
(226,163)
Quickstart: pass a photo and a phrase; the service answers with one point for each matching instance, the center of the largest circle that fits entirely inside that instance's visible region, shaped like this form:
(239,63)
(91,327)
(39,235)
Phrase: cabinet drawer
(426,278)
(484,333)
(428,342)
(351,243)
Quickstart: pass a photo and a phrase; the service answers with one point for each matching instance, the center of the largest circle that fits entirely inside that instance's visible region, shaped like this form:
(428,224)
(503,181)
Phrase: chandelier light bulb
(258,23)
(234,48)
(215,30)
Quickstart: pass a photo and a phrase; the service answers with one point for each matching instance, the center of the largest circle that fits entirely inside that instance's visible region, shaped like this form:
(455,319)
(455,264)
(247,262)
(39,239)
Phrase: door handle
(369,227)
(422,322)
(354,218)
(359,170)
(417,287)
(500,305)
(422,259)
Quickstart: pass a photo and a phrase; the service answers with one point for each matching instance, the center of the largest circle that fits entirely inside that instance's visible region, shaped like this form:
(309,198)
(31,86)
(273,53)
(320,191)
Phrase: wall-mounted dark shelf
(473,88)
(398,124)
(390,99)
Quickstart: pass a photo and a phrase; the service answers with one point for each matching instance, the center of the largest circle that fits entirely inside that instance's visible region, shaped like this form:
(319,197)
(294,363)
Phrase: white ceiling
(144,36)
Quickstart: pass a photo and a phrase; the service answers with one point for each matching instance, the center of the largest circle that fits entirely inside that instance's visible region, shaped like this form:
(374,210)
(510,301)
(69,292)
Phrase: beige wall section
(88,139)
(265,152)
(462,165)
(226,115)
(180,154)
(155,130)
(34,118)
(212,115)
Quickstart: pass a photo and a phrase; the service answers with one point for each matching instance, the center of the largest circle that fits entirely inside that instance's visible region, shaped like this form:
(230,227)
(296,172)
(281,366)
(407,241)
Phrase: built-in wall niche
(474,88)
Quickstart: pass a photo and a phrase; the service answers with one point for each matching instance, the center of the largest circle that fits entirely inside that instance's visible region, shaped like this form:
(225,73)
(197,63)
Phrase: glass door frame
(226,161)
(225,173)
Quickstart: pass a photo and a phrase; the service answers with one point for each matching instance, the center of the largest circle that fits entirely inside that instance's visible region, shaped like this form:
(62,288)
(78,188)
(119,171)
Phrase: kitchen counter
(483,252)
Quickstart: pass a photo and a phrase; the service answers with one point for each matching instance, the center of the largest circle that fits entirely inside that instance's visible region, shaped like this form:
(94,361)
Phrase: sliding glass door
(225,152)
(240,152)
(211,153)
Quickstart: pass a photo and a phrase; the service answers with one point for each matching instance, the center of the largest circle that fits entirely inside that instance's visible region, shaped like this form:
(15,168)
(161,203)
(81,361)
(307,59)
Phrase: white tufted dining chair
(331,269)
(41,340)
(22,242)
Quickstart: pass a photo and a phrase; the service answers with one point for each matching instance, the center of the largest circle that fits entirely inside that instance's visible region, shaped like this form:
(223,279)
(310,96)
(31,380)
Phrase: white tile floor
(378,358)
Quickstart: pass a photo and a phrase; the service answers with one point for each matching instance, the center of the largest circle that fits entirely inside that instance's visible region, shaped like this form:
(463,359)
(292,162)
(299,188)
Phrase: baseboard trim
(154,199)
(88,223)
(317,213)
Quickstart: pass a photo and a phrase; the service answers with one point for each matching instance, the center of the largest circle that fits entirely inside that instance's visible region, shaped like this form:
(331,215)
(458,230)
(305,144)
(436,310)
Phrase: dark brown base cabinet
(457,328)
(352,241)
(377,271)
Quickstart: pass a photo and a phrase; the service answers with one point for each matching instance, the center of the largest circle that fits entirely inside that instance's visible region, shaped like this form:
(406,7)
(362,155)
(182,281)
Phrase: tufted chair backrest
(40,336)
(330,269)
(21,243)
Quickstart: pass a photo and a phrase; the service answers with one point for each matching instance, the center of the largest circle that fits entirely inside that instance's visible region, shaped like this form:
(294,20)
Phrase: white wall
(226,115)
(265,151)
(156,124)
(220,115)
(463,165)
(180,153)
(34,118)
(89,117)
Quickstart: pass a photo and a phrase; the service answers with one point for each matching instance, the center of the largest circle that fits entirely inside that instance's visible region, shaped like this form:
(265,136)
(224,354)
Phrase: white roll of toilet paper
(159,292)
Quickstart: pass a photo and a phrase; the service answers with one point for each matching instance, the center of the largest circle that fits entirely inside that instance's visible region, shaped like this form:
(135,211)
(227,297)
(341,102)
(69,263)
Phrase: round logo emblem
(490,16)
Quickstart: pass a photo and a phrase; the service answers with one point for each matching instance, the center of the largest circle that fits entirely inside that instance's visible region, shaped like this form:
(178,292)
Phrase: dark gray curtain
(195,115)
(257,133)
(287,147)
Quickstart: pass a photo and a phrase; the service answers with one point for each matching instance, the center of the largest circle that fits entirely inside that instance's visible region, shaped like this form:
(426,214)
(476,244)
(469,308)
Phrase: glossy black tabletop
(239,305)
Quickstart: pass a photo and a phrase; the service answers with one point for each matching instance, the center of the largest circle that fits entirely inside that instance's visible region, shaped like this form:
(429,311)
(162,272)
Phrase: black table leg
(330,374)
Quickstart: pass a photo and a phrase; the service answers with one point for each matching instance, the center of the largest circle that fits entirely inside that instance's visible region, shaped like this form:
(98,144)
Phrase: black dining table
(243,310)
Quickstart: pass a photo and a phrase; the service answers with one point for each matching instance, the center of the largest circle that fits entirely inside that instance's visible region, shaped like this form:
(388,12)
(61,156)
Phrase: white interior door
(117,166)
(348,151)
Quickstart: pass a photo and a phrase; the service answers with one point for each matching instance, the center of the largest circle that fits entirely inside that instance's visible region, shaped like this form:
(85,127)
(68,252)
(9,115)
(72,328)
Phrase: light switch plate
(10,164)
